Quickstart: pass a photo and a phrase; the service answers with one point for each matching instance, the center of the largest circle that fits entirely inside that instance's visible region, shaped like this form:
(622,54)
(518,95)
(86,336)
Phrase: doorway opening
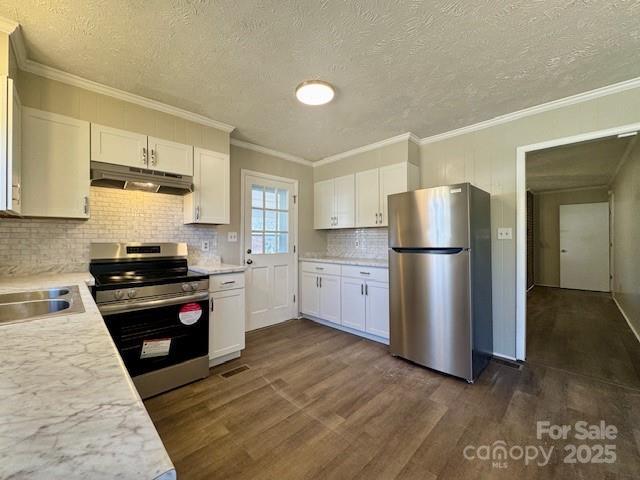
(580,310)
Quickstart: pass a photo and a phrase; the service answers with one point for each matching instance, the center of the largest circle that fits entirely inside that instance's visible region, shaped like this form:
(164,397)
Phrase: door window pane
(283,221)
(257,196)
(269,243)
(270,220)
(257,222)
(269,197)
(256,243)
(283,199)
(283,243)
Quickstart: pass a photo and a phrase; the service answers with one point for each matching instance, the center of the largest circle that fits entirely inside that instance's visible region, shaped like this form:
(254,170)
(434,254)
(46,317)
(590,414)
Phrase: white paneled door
(269,246)
(584,246)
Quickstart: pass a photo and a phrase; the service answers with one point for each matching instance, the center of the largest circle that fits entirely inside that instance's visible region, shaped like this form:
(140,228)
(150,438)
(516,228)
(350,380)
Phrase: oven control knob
(118,294)
(186,287)
(194,286)
(131,292)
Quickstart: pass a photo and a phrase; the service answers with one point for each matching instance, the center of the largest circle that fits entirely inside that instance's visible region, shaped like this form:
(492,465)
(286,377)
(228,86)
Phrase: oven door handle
(109,309)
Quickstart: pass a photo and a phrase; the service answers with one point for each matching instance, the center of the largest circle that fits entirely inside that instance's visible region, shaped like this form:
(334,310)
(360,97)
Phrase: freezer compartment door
(430,317)
(433,217)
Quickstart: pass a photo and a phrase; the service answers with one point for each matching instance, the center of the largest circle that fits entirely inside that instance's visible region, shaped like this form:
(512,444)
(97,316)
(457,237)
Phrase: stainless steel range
(156,310)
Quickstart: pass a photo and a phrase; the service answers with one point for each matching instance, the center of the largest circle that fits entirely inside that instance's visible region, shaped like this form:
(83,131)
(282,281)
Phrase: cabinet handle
(320,282)
(361,289)
(198,212)
(366,289)
(86,205)
(144,156)
(19,191)
(376,218)
(317,283)
(211,304)
(231,282)
(153,157)
(365,273)
(380,218)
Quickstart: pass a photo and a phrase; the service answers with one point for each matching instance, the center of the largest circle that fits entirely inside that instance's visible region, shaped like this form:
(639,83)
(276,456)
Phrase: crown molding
(27,65)
(544,107)
(366,148)
(269,151)
(571,189)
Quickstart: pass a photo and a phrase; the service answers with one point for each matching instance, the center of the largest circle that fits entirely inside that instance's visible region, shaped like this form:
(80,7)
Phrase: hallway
(581,333)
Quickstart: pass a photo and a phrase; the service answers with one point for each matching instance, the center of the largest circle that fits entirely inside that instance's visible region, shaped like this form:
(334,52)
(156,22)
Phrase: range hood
(132,178)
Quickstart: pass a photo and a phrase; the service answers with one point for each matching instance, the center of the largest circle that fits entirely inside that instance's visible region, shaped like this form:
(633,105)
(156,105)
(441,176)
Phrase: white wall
(487,158)
(626,239)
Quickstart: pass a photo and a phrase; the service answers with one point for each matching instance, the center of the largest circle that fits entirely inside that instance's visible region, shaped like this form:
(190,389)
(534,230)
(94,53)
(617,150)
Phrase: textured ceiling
(586,164)
(420,66)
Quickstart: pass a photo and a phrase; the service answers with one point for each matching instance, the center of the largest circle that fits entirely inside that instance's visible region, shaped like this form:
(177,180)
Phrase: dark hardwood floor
(317,403)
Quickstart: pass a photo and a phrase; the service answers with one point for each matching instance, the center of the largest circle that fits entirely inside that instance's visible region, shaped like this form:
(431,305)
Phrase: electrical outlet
(232,236)
(205,245)
(357,244)
(505,233)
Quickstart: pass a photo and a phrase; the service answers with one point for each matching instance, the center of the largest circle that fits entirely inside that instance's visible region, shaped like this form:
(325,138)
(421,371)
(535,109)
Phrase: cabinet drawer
(367,273)
(321,268)
(226,281)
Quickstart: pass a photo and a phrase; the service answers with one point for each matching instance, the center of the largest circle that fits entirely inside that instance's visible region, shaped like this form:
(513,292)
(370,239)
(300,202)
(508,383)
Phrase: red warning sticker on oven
(190,313)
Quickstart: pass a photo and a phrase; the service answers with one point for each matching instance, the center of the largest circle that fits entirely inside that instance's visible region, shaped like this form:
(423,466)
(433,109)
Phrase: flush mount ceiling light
(315,92)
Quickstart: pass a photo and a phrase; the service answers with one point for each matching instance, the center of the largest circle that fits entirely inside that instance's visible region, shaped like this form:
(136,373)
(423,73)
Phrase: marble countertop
(68,408)
(361,262)
(216,268)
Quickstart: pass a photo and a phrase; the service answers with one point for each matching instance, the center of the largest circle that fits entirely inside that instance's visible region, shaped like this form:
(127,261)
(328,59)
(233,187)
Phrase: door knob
(563,251)
(249,251)
(249,262)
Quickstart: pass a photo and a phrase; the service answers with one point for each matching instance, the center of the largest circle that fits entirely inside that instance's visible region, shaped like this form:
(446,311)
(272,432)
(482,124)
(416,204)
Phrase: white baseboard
(337,326)
(505,357)
(635,332)
(545,285)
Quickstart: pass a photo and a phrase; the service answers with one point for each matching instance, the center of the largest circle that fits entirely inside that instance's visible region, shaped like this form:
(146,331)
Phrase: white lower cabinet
(355,297)
(226,317)
(320,295)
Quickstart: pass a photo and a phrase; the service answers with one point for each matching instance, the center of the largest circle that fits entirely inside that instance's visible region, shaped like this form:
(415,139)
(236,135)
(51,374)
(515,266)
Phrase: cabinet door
(345,202)
(309,294)
(377,300)
(330,298)
(367,199)
(226,323)
(393,179)
(353,303)
(14,150)
(170,157)
(323,205)
(55,165)
(111,145)
(210,200)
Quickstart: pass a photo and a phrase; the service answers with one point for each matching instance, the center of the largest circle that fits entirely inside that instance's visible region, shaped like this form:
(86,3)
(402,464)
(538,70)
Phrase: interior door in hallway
(269,236)
(584,246)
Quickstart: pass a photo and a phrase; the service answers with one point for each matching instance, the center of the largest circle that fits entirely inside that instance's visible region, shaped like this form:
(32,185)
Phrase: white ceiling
(586,164)
(398,65)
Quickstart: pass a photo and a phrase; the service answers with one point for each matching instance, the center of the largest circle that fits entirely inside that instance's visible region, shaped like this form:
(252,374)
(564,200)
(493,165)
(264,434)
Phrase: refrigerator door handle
(431,251)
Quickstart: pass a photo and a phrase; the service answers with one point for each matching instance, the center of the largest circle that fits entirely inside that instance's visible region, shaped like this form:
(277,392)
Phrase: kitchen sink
(23,306)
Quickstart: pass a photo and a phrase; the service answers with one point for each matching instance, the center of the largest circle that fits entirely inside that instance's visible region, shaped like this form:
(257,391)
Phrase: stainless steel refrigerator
(440,278)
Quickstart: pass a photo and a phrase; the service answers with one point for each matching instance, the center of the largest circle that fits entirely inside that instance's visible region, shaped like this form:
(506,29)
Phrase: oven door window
(156,338)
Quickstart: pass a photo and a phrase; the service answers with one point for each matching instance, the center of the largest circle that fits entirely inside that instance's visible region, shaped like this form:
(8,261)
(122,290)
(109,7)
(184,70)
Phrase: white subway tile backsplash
(358,243)
(35,245)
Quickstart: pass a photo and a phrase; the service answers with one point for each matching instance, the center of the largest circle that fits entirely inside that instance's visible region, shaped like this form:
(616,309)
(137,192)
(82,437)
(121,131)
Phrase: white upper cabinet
(210,200)
(10,148)
(374,186)
(323,195)
(367,198)
(119,147)
(334,205)
(344,208)
(170,157)
(55,165)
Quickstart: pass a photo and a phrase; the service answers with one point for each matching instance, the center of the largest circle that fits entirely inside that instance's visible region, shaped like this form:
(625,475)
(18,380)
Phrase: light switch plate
(505,234)
(232,236)
(205,245)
